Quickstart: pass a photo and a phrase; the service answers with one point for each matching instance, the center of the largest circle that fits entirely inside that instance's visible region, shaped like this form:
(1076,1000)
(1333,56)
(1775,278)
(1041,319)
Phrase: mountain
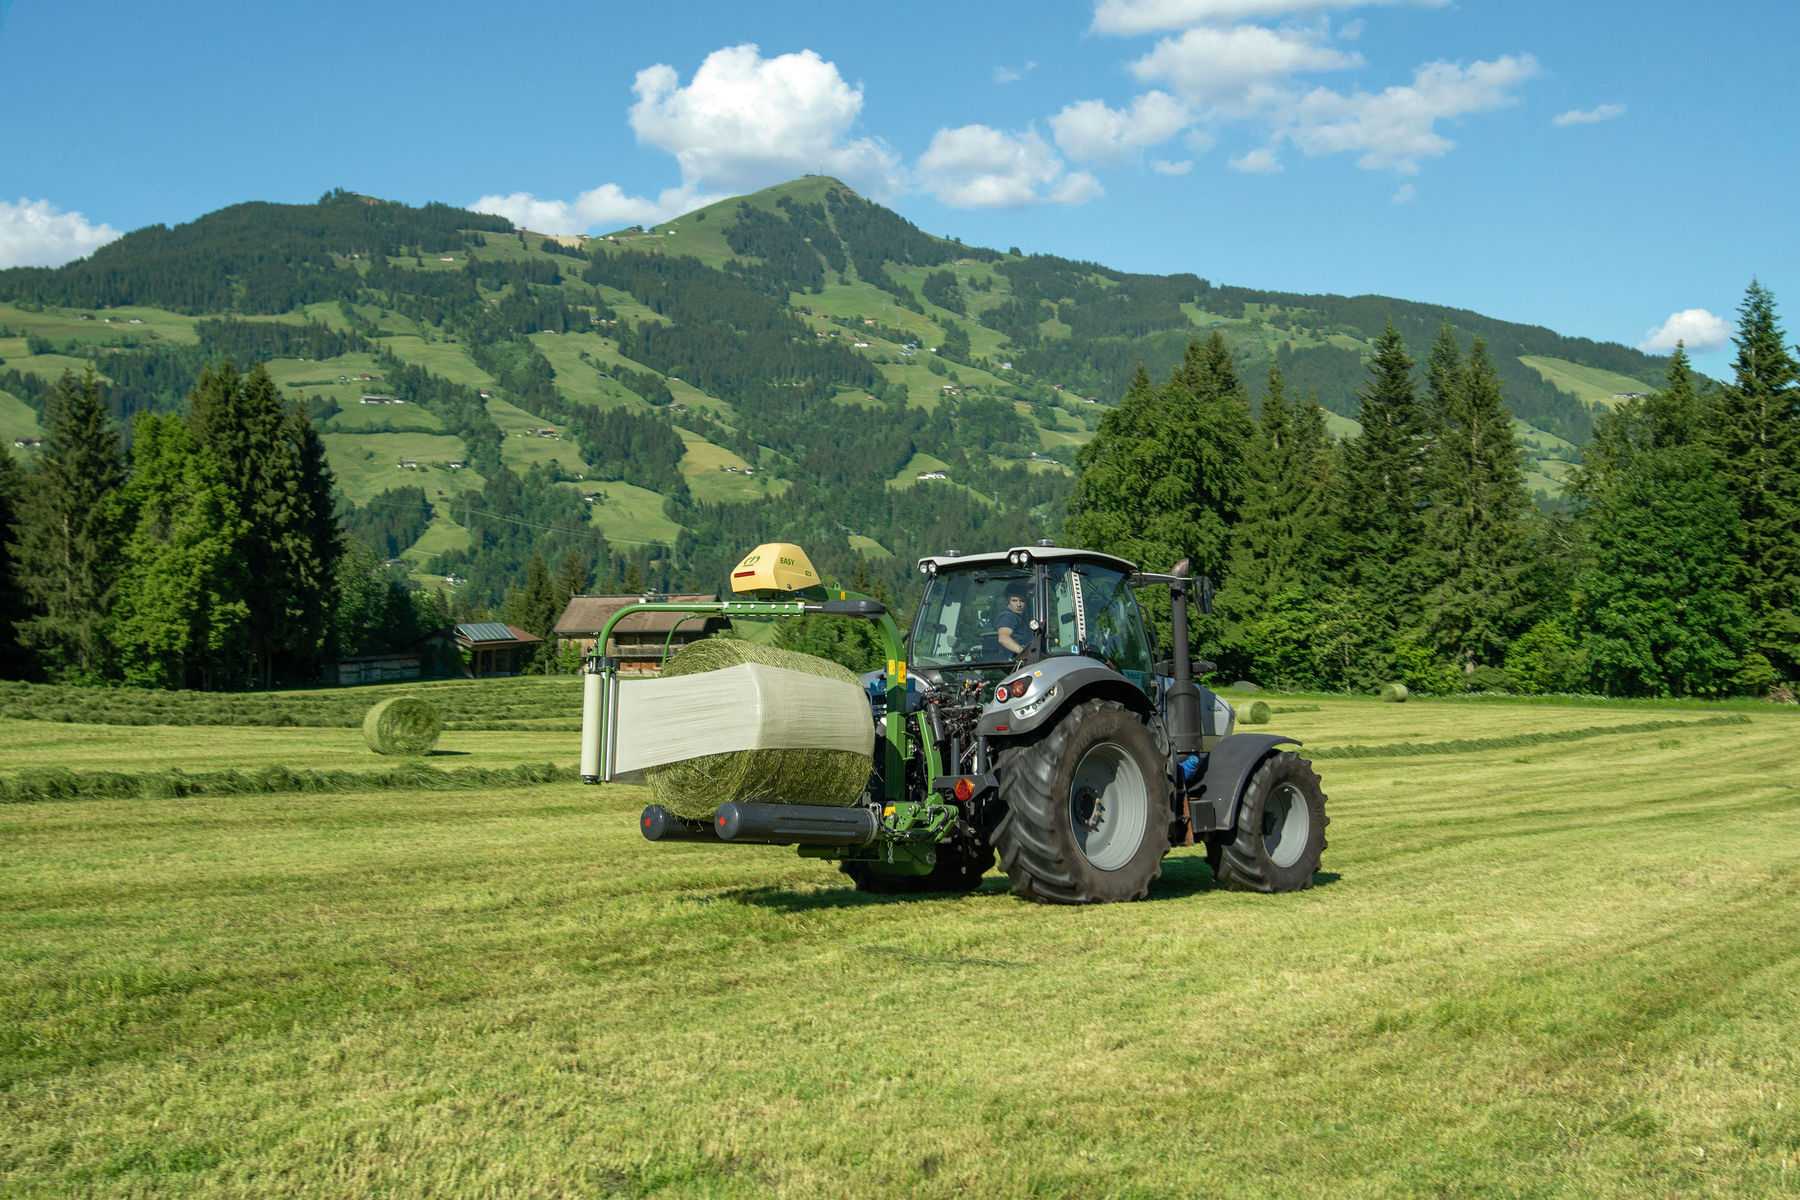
(783,365)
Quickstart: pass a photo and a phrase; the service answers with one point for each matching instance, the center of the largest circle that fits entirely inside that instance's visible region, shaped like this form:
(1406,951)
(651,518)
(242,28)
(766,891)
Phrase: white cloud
(604,207)
(33,233)
(1004,75)
(746,121)
(1576,116)
(1397,128)
(743,122)
(1404,193)
(1210,65)
(1261,161)
(1078,187)
(977,167)
(1701,331)
(1091,131)
(1129,17)
(1164,167)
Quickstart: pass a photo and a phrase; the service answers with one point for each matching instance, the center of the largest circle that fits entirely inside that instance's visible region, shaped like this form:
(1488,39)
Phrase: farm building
(374,668)
(494,649)
(638,641)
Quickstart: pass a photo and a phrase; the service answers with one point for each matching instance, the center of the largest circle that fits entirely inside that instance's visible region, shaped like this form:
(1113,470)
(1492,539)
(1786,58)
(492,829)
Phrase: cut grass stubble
(1568,976)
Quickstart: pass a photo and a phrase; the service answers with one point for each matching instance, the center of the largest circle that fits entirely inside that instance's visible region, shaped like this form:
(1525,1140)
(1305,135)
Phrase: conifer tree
(180,609)
(274,463)
(572,580)
(67,555)
(1377,500)
(533,607)
(1272,565)
(1759,459)
(1163,476)
(1657,607)
(1476,540)
(14,661)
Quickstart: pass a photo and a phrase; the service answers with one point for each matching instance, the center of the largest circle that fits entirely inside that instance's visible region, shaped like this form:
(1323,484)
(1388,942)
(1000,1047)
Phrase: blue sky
(1607,169)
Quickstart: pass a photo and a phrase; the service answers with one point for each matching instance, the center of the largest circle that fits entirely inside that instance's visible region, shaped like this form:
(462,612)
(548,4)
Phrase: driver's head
(1015,597)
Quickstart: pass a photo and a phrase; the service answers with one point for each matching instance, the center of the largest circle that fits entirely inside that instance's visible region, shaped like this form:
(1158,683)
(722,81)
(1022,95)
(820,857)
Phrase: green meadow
(1551,953)
(1591,384)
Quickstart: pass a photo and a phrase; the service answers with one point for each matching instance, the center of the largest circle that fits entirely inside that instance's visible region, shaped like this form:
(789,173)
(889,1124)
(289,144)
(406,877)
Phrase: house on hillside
(494,649)
(640,641)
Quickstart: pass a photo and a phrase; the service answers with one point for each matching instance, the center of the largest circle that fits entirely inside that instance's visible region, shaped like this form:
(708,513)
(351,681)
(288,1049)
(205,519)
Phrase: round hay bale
(694,787)
(1394,693)
(402,725)
(1245,686)
(1257,713)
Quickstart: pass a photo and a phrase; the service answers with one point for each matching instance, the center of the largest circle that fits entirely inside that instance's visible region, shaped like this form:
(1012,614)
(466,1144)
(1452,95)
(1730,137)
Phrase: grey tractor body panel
(1055,683)
(1228,765)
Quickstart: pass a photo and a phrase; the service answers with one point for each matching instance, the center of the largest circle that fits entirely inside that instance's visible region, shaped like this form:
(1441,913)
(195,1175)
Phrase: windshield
(963,613)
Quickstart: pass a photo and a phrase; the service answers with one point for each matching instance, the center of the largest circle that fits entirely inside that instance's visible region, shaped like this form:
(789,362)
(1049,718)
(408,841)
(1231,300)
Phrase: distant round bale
(402,725)
(1394,693)
(1244,685)
(1257,713)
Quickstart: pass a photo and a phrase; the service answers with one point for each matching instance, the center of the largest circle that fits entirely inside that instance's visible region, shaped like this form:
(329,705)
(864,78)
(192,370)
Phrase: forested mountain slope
(784,365)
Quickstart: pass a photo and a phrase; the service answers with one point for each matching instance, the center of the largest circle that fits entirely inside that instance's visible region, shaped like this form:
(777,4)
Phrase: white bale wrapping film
(751,706)
(590,725)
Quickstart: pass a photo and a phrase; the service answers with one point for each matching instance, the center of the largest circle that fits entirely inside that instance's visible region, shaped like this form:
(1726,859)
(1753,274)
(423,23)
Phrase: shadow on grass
(447,754)
(1183,876)
(1186,875)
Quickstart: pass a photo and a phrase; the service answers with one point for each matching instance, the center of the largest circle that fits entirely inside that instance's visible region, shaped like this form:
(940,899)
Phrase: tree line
(1414,553)
(206,556)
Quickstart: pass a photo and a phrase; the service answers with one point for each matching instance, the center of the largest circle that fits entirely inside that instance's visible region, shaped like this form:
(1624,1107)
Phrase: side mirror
(1206,594)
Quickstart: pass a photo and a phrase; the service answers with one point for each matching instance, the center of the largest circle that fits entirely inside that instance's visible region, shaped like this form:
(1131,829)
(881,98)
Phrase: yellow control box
(774,567)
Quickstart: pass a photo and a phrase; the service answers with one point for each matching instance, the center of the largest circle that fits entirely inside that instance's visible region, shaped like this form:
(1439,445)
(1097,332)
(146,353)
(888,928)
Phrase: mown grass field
(1540,968)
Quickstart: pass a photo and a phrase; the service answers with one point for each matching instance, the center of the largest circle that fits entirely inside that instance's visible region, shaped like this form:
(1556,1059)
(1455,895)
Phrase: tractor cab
(990,613)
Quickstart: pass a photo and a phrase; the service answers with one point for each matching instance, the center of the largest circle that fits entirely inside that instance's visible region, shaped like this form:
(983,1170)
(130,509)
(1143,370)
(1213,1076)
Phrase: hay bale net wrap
(403,725)
(1257,712)
(1394,693)
(795,729)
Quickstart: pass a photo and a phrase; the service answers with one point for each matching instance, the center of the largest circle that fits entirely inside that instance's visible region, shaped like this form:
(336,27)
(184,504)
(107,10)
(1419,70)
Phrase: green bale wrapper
(694,787)
(1394,693)
(402,725)
(1257,713)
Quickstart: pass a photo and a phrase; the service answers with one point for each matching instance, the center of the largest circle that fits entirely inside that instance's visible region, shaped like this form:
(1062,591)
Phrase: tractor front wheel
(1280,829)
(1087,808)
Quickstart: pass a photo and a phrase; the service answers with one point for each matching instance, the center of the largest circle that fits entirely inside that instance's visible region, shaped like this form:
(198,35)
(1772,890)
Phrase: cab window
(1093,612)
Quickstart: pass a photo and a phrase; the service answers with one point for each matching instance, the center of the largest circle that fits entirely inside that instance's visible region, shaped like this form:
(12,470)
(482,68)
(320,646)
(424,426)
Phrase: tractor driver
(1011,629)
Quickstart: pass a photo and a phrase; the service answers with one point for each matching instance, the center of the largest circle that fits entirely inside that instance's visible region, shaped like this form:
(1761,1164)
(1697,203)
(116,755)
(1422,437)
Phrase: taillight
(964,789)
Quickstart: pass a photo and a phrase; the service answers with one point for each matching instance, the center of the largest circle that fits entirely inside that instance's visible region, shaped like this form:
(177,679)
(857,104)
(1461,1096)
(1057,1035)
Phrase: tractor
(1026,716)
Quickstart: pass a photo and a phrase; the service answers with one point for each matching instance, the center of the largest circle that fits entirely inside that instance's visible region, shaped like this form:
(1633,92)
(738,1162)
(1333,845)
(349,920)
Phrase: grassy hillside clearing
(1591,384)
(631,514)
(367,464)
(17,420)
(1567,970)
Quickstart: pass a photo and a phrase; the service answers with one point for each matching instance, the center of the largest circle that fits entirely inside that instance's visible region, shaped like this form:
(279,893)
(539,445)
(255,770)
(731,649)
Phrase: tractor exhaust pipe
(1184,701)
(794,825)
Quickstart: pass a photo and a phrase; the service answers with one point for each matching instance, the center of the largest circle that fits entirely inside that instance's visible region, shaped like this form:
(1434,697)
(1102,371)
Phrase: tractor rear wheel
(1087,808)
(1280,829)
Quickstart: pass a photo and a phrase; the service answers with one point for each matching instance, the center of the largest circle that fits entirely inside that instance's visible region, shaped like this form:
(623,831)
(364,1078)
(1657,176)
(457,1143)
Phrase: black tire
(1058,842)
(1280,832)
(959,869)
